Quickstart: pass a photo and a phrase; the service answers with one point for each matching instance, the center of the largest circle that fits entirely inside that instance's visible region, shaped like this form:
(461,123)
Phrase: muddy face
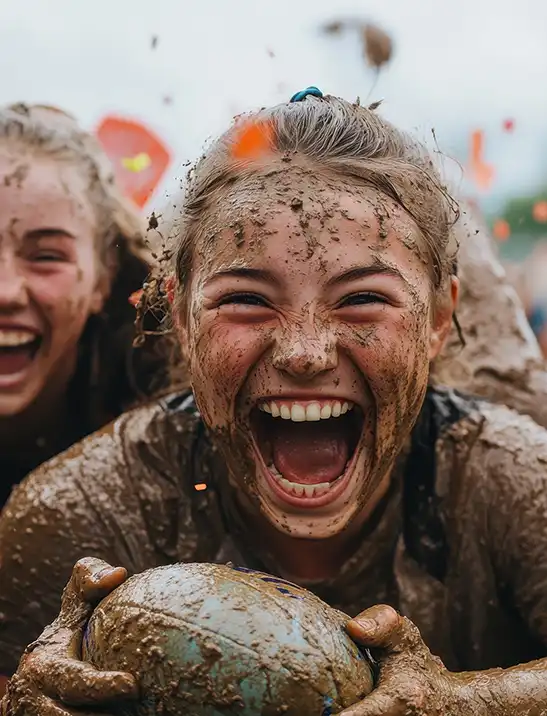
(49,278)
(310,331)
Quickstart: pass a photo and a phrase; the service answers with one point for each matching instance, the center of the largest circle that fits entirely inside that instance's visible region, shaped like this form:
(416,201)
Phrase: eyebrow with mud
(245,272)
(358,272)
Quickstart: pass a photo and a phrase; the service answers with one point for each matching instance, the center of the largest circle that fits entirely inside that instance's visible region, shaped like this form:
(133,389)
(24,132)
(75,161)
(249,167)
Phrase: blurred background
(467,76)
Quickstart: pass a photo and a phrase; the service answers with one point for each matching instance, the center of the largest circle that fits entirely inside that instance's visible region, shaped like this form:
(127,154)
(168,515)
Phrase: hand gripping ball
(215,640)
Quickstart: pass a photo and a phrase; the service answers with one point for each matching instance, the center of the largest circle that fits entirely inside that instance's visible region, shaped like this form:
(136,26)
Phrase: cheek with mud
(397,377)
(401,393)
(220,365)
(67,319)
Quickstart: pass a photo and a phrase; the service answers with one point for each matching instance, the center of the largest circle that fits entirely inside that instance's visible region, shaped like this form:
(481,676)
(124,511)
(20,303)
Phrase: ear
(442,321)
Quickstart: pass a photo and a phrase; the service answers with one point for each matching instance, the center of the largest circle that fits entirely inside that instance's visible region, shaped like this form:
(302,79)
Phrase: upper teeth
(302,412)
(10,338)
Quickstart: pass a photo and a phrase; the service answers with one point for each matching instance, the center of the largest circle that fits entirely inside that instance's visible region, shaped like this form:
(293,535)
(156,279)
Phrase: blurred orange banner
(482,173)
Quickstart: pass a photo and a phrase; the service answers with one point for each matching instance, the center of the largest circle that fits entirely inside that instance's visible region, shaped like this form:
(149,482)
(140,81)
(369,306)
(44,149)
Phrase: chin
(16,402)
(308,527)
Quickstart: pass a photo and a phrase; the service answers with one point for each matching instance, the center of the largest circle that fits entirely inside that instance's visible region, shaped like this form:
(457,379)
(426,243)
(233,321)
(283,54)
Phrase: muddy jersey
(459,544)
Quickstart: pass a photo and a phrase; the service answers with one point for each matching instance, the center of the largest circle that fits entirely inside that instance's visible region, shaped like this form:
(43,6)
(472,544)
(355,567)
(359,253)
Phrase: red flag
(138,156)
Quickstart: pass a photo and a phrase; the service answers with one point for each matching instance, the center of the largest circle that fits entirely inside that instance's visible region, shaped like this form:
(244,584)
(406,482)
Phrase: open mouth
(308,448)
(18,349)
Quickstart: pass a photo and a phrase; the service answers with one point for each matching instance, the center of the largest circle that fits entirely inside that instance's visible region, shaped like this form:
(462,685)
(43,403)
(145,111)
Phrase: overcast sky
(458,65)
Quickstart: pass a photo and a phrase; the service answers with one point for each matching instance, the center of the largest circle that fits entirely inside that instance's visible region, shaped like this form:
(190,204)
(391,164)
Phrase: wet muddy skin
(127,494)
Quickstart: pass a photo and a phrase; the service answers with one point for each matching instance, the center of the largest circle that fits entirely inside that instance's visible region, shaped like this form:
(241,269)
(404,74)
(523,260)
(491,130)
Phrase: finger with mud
(381,627)
(46,707)
(379,703)
(92,579)
(77,683)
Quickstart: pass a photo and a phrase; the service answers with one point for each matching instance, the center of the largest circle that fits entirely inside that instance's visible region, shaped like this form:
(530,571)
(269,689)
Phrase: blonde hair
(345,139)
(53,132)
(117,375)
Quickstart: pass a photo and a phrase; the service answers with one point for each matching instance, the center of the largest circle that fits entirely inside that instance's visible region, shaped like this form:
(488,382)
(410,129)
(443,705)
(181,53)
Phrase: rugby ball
(219,640)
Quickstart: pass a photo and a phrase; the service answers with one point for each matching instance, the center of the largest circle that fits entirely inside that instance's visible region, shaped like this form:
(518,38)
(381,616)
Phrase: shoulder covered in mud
(497,508)
(112,496)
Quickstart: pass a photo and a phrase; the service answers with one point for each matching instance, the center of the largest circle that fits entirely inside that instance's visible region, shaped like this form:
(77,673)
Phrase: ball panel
(211,641)
(185,664)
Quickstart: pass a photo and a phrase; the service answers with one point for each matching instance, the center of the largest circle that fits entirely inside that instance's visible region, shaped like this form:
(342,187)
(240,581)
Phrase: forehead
(297,217)
(41,191)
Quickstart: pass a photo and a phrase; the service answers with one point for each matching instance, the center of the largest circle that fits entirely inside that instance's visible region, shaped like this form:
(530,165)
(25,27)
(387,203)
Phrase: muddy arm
(502,360)
(77,505)
(39,544)
(518,691)
(514,531)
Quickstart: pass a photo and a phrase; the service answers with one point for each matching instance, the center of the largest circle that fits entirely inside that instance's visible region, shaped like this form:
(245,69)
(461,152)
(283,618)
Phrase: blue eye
(246,299)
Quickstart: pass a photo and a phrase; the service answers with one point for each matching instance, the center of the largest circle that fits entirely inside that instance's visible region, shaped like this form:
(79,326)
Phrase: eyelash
(353,300)
(252,299)
(47,256)
(247,299)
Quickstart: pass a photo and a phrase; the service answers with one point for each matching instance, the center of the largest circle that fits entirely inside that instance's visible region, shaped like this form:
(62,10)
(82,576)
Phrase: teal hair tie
(300,96)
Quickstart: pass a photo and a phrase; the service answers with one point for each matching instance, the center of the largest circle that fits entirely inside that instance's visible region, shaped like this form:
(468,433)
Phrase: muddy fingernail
(103,573)
(367,625)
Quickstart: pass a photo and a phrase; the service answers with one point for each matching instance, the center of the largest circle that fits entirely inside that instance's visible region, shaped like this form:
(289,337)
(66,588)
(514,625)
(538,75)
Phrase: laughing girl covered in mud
(313,289)
(71,254)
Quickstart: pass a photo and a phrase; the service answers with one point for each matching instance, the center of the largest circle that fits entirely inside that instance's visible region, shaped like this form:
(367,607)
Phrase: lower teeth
(298,489)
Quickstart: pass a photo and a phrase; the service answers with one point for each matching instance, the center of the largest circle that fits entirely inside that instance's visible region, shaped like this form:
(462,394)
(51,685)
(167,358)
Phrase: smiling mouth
(308,448)
(18,349)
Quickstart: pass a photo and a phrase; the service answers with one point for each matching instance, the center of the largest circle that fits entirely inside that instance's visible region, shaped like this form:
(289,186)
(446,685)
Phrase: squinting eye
(360,299)
(246,299)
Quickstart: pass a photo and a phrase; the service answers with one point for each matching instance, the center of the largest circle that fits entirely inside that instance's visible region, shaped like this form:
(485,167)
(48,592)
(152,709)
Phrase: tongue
(14,360)
(310,453)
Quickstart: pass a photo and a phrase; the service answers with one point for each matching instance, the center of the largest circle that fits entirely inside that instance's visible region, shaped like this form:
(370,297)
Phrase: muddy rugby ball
(215,640)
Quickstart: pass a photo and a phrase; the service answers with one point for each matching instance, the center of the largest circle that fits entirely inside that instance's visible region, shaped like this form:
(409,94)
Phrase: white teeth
(312,412)
(298,489)
(326,412)
(11,339)
(298,414)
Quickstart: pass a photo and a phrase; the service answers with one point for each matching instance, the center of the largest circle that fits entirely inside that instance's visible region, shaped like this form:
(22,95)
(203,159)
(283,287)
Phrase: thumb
(375,627)
(381,627)
(91,580)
